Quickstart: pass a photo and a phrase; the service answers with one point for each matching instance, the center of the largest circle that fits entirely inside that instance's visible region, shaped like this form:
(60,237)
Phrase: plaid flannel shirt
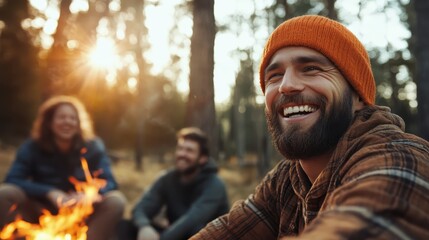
(376,186)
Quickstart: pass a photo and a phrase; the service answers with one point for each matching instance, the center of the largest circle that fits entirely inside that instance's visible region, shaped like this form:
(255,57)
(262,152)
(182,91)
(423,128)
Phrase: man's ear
(358,102)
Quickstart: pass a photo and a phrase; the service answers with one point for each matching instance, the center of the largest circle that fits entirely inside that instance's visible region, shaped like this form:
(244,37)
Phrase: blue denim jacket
(38,171)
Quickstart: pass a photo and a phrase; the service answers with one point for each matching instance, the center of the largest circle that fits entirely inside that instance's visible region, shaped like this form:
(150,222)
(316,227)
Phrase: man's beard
(295,143)
(190,169)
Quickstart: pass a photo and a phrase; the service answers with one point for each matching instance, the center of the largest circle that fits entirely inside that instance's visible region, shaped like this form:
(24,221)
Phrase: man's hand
(147,233)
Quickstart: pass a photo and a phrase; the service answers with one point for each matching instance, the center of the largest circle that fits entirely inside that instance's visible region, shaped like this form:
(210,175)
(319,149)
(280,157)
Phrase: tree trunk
(57,62)
(422,65)
(240,127)
(200,106)
(330,7)
(143,91)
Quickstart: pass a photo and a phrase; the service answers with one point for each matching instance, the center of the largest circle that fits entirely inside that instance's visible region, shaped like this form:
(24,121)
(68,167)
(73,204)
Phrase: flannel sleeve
(383,195)
(255,218)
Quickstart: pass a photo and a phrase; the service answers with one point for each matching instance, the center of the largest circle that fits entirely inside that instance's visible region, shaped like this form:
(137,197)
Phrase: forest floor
(240,181)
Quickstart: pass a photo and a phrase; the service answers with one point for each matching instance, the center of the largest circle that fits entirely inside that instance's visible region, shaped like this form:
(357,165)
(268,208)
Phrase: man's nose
(180,152)
(291,83)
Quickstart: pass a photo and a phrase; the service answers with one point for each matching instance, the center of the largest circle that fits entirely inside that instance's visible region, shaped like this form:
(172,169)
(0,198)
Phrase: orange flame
(69,223)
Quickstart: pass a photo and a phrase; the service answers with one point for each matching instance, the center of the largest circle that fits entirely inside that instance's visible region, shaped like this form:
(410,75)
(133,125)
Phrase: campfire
(69,223)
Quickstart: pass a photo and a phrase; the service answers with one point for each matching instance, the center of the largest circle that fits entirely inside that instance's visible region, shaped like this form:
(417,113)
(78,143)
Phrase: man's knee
(113,201)
(11,197)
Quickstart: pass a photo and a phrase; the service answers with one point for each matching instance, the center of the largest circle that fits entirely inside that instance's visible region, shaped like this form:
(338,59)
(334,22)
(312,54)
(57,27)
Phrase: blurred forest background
(100,51)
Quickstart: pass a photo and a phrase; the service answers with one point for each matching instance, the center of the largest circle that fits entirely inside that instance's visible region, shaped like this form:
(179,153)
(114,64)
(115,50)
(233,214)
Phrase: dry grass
(240,181)
(6,156)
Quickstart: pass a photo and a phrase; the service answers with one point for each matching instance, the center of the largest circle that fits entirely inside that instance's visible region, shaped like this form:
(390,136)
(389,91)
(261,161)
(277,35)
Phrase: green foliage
(165,115)
(394,72)
(19,75)
(29,72)
(117,109)
(422,62)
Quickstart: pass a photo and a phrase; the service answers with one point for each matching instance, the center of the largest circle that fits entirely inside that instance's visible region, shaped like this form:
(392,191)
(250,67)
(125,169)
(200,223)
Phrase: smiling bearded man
(189,159)
(191,193)
(322,137)
(355,173)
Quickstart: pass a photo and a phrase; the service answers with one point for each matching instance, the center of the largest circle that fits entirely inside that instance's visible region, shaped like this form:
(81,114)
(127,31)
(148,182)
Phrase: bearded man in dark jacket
(191,192)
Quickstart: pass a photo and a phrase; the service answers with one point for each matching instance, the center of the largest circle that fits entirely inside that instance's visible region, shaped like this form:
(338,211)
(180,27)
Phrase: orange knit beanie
(331,39)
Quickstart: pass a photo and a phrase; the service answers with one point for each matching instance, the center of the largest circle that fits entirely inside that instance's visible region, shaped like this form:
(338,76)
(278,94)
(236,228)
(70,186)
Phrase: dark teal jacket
(189,207)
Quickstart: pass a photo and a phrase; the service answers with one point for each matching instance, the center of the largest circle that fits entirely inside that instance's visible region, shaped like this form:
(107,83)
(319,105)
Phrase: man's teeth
(305,109)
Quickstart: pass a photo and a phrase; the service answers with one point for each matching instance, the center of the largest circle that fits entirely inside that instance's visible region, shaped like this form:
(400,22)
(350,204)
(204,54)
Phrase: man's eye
(273,76)
(311,68)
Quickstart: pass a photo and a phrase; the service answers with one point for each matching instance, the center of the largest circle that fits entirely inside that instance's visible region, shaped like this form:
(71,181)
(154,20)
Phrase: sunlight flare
(104,54)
